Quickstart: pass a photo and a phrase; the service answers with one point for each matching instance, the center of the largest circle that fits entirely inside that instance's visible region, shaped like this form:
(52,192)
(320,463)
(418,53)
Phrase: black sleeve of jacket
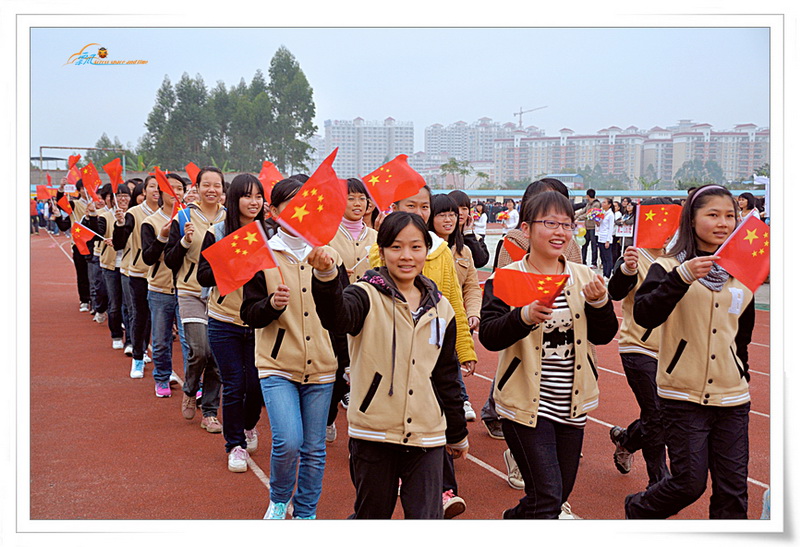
(174,253)
(256,310)
(501,326)
(205,275)
(445,379)
(122,233)
(341,311)
(744,334)
(601,323)
(480,254)
(102,225)
(620,284)
(151,246)
(657,296)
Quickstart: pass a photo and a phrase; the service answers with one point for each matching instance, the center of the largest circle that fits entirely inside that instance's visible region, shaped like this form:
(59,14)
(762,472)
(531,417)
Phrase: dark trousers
(117,310)
(82,274)
(97,287)
(201,363)
(140,328)
(548,456)
(35,224)
(605,257)
(616,249)
(488,412)
(375,469)
(340,387)
(646,432)
(700,439)
(591,239)
(234,351)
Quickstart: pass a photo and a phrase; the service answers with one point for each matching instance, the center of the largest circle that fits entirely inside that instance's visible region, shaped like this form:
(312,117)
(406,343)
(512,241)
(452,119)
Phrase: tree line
(233,128)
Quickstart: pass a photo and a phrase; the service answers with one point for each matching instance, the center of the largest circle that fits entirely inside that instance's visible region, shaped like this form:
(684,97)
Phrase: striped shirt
(558,362)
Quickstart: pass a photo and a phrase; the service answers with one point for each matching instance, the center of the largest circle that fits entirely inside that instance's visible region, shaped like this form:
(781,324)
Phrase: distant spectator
(34,217)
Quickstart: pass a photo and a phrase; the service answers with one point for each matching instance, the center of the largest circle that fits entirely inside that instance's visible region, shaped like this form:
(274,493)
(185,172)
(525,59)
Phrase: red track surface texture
(104,447)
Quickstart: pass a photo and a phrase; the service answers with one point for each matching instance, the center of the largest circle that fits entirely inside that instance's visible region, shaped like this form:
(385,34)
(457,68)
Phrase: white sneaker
(330,433)
(116,344)
(514,476)
(147,359)
(173,378)
(275,511)
(128,350)
(469,413)
(100,317)
(237,460)
(251,436)
(137,369)
(566,512)
(84,307)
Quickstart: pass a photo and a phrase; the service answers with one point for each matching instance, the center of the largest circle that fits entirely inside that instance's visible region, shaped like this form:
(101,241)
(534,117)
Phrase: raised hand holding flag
(745,254)
(237,257)
(114,171)
(392,182)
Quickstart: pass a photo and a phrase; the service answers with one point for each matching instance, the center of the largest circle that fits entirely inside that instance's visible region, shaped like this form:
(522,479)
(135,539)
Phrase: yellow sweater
(440,267)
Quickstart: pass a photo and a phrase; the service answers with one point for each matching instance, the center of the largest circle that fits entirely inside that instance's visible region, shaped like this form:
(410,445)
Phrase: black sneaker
(494,428)
(623,460)
(346,400)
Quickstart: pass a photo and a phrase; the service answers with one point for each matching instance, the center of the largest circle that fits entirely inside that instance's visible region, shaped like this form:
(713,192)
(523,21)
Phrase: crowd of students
(382,320)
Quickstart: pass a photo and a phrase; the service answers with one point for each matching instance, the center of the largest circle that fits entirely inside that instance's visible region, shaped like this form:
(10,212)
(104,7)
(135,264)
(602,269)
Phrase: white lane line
(258,472)
(60,246)
(612,371)
(758,483)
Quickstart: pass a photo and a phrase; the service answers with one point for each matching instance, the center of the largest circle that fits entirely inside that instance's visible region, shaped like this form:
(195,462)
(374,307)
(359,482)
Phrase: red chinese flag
(316,211)
(64,204)
(164,184)
(114,171)
(518,289)
(192,171)
(514,251)
(392,182)
(655,224)
(49,179)
(745,254)
(268,176)
(72,161)
(237,257)
(42,193)
(177,207)
(91,180)
(73,175)
(80,236)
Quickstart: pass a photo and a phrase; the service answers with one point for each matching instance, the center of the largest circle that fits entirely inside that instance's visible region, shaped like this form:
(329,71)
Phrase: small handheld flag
(745,254)
(268,176)
(114,171)
(655,224)
(392,182)
(237,257)
(64,204)
(192,171)
(518,289)
(514,251)
(80,236)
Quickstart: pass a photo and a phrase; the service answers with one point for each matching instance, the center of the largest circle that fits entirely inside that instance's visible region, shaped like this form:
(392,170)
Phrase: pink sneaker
(452,504)
(162,389)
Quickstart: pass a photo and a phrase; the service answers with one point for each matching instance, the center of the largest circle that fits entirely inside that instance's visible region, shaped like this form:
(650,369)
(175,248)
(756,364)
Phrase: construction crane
(521,112)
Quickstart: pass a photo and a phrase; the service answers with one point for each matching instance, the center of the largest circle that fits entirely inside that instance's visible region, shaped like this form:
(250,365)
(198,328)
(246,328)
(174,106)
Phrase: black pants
(375,469)
(140,333)
(646,432)
(591,239)
(340,387)
(82,273)
(699,439)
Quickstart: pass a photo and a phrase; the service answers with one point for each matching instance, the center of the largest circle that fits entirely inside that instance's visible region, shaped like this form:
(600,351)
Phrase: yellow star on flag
(238,251)
(244,252)
(374,179)
(300,212)
(766,244)
(305,193)
(314,192)
(320,198)
(320,208)
(751,235)
(761,251)
(233,244)
(235,236)
(650,215)
(251,237)
(755,253)
(548,278)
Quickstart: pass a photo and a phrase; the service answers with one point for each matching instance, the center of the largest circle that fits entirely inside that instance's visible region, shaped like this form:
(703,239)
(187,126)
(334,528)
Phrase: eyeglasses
(552,224)
(448,215)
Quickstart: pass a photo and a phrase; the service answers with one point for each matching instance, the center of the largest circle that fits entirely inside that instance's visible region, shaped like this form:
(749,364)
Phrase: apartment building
(366,145)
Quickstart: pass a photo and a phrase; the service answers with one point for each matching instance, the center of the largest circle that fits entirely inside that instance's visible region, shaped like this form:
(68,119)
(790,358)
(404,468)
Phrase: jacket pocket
(373,388)
(438,399)
(677,356)
(278,341)
(646,335)
(220,299)
(189,273)
(136,258)
(125,254)
(509,371)
(739,367)
(155,269)
(591,364)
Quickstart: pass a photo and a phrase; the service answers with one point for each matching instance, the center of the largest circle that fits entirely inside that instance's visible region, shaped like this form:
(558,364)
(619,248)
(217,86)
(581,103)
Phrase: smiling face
(210,188)
(445,223)
(419,204)
(713,223)
(742,203)
(356,206)
(168,200)
(405,257)
(151,190)
(547,244)
(250,204)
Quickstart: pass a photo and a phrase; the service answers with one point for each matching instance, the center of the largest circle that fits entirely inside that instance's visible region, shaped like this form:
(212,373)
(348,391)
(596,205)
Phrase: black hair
(355,186)
(123,189)
(374,215)
(284,190)
(393,224)
(105,191)
(300,177)
(241,185)
(686,240)
(543,203)
(546,184)
(441,203)
(591,193)
(751,200)
(138,191)
(213,170)
(135,181)
(482,205)
(79,184)
(177,177)
(426,187)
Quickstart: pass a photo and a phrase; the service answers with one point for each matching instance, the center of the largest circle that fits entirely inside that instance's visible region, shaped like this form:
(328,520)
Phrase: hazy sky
(588,78)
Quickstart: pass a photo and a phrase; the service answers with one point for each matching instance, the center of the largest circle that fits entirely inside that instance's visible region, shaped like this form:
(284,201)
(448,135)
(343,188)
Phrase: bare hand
(349,271)
(701,265)
(119,216)
(474,323)
(379,219)
(456,452)
(319,259)
(595,289)
(165,229)
(536,313)
(280,298)
(631,258)
(607,244)
(91,208)
(188,232)
(470,366)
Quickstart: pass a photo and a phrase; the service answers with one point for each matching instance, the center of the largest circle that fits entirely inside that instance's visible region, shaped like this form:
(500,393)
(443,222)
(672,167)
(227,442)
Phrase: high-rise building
(364,146)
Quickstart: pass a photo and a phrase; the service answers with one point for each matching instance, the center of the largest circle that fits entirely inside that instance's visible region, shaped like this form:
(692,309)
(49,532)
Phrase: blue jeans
(548,456)
(97,286)
(163,312)
(297,417)
(234,351)
(117,310)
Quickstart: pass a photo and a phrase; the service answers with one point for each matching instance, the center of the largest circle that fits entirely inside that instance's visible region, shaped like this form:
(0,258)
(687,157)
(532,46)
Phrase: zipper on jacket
(646,335)
(678,353)
(373,388)
(189,273)
(278,341)
(591,364)
(136,257)
(736,362)
(507,374)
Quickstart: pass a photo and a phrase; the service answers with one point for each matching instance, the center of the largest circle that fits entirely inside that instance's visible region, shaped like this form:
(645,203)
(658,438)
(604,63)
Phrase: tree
(159,117)
(697,173)
(459,169)
(763,171)
(102,157)
(293,110)
(518,184)
(484,182)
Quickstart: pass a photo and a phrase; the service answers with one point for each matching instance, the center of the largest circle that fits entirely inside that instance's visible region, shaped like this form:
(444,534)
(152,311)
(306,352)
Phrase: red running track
(102,446)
